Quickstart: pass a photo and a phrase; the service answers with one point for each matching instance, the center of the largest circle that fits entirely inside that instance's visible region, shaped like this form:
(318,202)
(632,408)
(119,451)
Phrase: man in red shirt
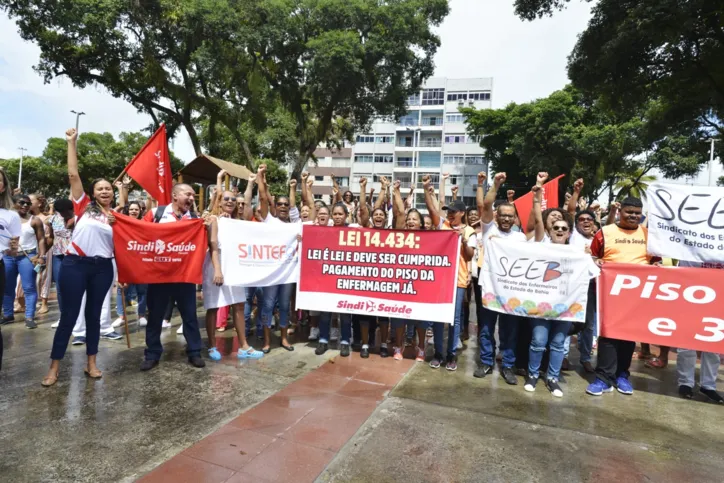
(184,294)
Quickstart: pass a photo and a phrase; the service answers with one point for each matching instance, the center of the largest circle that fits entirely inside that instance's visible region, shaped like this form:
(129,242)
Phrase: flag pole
(162,126)
(125,317)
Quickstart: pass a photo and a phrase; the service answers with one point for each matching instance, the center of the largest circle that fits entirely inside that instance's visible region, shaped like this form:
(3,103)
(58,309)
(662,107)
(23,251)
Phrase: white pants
(106,327)
(686,368)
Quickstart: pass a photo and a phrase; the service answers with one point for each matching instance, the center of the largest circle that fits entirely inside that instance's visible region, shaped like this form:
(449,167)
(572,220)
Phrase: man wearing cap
(498,224)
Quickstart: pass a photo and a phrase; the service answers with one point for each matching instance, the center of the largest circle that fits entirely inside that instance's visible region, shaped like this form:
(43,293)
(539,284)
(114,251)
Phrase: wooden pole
(125,317)
(227,181)
(202,198)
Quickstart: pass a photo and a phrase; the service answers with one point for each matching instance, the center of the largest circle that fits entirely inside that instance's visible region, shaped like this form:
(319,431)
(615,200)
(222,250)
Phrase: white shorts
(215,296)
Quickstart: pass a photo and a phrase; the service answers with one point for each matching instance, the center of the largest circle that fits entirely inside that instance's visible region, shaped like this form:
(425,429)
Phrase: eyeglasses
(560,228)
(282,204)
(229,198)
(585,218)
(24,203)
(506,216)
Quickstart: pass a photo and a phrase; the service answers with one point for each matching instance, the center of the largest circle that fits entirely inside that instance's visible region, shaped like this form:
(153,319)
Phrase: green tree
(331,65)
(634,184)
(568,133)
(99,156)
(636,51)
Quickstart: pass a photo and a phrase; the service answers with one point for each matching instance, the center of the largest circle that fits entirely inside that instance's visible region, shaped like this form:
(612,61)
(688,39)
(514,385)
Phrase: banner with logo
(159,252)
(400,274)
(258,254)
(673,307)
(686,222)
(540,280)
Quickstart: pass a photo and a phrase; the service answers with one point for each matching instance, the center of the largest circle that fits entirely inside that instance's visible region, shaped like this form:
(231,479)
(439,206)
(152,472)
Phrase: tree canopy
(637,51)
(261,69)
(568,133)
(99,156)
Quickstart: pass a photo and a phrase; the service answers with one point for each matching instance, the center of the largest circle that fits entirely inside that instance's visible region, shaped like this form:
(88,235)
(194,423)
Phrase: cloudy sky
(479,39)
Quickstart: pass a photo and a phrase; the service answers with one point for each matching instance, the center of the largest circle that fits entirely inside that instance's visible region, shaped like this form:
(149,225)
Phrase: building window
(457,96)
(430,142)
(365,139)
(359,176)
(405,162)
(414,100)
(405,141)
(434,178)
(386,139)
(480,96)
(473,140)
(384,158)
(454,160)
(455,139)
(318,197)
(474,160)
(429,160)
(433,97)
(408,120)
(432,121)
(377,178)
(454,118)
(319,178)
(344,181)
(405,180)
(363,158)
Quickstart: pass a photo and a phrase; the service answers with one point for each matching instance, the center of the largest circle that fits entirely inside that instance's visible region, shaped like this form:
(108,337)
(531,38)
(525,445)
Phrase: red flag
(549,200)
(159,252)
(151,167)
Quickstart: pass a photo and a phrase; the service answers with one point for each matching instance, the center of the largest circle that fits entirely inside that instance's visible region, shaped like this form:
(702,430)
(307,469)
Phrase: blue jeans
(184,294)
(92,276)
(545,331)
(325,322)
(271,295)
(57,264)
(133,291)
(23,266)
(453,333)
(249,305)
(410,324)
(508,333)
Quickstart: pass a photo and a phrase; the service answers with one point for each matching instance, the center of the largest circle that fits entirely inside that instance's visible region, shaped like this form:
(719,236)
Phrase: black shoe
(148,364)
(290,348)
(384,352)
(7,320)
(509,376)
(30,324)
(712,395)
(686,392)
(267,350)
(344,350)
(554,387)
(321,348)
(364,353)
(197,362)
(482,371)
(530,383)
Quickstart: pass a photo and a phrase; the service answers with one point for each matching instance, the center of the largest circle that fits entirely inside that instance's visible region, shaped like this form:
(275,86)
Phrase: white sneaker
(55,325)
(334,334)
(460,344)
(431,340)
(166,324)
(142,322)
(117,323)
(314,333)
(180,329)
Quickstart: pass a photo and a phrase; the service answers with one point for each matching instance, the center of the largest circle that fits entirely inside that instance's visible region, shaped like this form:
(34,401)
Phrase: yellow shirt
(614,244)
(463,272)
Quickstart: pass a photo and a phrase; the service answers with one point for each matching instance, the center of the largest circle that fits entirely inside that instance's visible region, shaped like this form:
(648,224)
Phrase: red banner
(675,307)
(159,252)
(524,204)
(151,167)
(402,274)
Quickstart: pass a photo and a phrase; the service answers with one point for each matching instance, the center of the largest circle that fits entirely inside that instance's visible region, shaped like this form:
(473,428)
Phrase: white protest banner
(686,222)
(258,254)
(537,279)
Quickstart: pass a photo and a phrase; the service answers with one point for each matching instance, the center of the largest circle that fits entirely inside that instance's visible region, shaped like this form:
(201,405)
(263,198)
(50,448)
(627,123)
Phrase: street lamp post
(711,162)
(20,171)
(77,118)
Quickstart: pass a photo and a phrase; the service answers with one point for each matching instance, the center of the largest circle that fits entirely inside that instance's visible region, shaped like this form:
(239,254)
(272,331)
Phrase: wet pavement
(291,416)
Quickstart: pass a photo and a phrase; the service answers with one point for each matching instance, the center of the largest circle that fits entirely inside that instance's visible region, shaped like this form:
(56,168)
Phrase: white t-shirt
(10,227)
(92,236)
(168,215)
(491,229)
(578,240)
(293,217)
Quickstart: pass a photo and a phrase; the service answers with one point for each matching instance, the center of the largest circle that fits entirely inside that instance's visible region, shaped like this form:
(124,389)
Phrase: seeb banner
(672,307)
(407,275)
(258,254)
(686,222)
(537,279)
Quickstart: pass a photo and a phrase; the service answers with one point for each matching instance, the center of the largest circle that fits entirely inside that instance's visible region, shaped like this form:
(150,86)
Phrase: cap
(456,205)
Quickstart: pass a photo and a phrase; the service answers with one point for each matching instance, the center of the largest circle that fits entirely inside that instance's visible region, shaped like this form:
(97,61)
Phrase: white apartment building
(430,139)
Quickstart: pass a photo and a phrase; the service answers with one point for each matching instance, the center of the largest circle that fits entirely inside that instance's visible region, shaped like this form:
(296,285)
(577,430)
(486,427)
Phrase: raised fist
(293,183)
(510,194)
(363,182)
(305,175)
(396,185)
(481,178)
(426,181)
(445,176)
(542,177)
(499,179)
(578,185)
(71,135)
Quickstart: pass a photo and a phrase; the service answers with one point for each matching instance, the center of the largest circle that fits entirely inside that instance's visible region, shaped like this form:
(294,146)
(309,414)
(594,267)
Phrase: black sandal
(290,348)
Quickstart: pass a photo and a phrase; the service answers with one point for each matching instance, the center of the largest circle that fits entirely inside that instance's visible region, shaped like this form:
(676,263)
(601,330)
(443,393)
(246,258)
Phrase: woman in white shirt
(9,234)
(31,253)
(87,267)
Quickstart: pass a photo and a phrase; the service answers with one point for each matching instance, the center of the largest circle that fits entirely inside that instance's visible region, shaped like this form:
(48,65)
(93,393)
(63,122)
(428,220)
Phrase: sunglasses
(282,204)
(229,198)
(585,218)
(560,228)
(24,203)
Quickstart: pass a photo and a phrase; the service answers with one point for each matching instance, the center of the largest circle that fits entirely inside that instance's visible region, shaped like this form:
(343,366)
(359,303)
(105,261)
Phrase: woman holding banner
(87,267)
(216,294)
